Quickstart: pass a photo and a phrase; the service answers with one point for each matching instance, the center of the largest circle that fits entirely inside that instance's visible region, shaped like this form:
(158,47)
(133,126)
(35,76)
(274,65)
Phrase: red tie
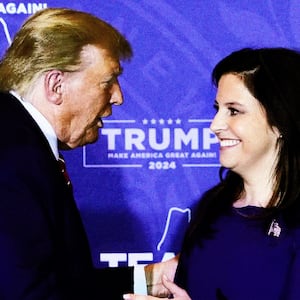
(63,169)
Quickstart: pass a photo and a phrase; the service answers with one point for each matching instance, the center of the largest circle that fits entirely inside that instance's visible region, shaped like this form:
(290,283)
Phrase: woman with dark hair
(244,242)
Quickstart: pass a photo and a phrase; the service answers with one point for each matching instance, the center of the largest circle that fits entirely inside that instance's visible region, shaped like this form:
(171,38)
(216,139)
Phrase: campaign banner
(137,186)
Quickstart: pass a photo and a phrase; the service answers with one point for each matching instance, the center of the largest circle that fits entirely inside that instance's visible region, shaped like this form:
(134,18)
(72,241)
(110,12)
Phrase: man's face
(87,95)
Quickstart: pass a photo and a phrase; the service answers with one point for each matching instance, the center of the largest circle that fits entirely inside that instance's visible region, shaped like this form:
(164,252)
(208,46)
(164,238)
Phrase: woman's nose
(218,123)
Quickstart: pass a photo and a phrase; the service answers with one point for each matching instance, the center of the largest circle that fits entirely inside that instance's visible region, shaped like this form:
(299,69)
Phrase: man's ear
(53,86)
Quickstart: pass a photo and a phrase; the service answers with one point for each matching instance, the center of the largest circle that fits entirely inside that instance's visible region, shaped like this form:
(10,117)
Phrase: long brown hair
(272,75)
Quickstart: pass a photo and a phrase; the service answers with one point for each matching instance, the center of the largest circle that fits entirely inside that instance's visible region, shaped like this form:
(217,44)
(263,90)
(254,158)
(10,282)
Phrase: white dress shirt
(42,122)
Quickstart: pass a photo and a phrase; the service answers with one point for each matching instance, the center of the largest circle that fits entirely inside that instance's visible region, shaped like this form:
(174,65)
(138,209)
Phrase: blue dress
(241,261)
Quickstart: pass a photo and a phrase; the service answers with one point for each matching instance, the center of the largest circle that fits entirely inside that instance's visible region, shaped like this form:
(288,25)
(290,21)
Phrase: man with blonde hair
(58,79)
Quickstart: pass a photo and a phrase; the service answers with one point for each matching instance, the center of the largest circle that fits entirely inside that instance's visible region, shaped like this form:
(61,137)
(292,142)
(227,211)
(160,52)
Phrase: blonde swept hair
(53,38)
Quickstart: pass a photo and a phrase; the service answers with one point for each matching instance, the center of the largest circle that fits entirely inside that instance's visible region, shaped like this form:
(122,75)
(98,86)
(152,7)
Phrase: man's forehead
(90,54)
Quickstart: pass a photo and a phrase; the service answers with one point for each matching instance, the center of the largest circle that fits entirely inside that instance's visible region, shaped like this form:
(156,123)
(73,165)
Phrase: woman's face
(247,142)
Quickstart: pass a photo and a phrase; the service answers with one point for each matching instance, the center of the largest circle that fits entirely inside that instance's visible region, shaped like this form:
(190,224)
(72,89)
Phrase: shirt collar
(42,122)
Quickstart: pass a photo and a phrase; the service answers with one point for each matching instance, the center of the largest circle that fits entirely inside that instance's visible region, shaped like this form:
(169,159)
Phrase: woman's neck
(257,192)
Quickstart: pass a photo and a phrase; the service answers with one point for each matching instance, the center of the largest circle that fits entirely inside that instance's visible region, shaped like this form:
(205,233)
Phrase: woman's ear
(53,86)
(277,132)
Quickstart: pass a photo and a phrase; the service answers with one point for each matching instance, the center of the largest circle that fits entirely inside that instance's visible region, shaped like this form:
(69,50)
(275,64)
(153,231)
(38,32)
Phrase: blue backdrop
(137,185)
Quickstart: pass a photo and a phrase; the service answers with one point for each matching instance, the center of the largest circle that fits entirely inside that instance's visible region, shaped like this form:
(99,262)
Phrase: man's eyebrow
(114,74)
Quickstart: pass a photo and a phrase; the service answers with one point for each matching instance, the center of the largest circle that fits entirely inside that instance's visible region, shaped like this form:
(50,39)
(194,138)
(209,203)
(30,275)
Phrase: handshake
(159,279)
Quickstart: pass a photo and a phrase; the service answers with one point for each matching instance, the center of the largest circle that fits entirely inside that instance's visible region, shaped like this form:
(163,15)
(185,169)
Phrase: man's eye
(216,107)
(106,85)
(109,82)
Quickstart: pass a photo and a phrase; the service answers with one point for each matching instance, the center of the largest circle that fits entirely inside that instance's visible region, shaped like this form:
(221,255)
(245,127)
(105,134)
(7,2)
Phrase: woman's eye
(233,111)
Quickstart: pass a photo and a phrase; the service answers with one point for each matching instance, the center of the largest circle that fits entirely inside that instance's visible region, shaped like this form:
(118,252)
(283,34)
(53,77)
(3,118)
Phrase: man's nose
(116,94)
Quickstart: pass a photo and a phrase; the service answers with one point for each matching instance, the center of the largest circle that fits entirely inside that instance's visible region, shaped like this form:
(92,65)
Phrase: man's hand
(172,288)
(154,274)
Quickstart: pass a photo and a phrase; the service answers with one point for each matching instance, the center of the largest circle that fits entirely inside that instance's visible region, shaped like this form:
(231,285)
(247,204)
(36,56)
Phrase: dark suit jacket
(44,251)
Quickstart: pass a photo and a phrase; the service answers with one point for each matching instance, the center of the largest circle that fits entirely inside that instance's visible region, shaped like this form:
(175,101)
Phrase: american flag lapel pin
(274,229)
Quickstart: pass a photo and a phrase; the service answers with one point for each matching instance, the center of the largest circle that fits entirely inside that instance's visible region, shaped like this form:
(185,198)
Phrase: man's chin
(90,139)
